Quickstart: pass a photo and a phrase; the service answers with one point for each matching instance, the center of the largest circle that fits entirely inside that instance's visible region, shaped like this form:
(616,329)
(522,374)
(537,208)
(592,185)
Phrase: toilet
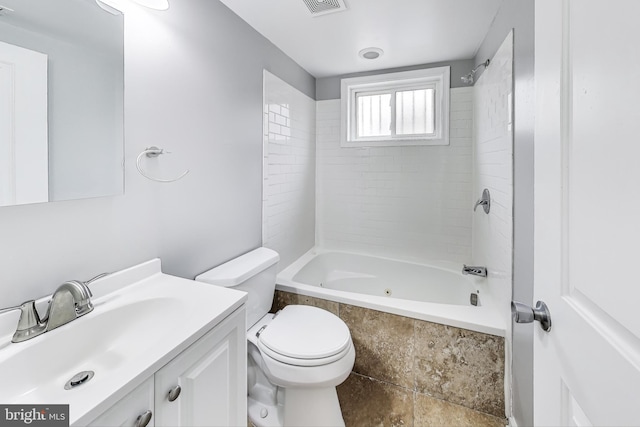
(296,357)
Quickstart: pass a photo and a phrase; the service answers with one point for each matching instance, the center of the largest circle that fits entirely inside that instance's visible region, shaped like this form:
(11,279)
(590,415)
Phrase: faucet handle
(29,323)
(29,317)
(484,201)
(28,314)
(480,202)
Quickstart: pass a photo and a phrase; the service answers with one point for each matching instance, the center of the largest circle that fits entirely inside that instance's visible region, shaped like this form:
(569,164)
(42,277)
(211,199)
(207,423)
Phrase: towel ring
(152,152)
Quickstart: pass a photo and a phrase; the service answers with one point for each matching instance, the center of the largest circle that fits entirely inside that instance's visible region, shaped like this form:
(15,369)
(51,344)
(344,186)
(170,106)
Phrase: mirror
(61,101)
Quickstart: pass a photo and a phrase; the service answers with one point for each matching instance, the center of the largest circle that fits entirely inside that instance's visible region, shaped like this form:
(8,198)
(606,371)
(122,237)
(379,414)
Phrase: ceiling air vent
(323,7)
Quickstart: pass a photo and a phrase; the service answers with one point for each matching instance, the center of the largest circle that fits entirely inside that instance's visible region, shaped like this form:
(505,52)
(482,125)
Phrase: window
(406,108)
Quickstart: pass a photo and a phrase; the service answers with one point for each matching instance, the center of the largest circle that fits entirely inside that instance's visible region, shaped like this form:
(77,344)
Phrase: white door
(587,212)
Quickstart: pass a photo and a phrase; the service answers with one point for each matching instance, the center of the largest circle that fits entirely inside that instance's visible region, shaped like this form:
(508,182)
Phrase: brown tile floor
(368,402)
(430,412)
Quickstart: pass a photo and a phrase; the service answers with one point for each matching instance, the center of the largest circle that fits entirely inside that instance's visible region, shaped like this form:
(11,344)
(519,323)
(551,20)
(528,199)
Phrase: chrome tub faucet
(474,270)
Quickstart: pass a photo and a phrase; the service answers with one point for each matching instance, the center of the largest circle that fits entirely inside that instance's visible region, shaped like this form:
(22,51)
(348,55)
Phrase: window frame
(429,78)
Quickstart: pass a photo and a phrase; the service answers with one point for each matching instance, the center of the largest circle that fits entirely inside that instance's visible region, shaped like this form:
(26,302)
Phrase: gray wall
(193,85)
(519,15)
(329,87)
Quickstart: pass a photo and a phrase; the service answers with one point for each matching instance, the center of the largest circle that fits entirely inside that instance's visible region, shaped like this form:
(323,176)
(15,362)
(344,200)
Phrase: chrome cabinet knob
(174,393)
(143,419)
(522,313)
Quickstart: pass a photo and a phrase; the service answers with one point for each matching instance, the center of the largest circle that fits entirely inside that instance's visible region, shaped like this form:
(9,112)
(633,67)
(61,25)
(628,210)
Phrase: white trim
(439,78)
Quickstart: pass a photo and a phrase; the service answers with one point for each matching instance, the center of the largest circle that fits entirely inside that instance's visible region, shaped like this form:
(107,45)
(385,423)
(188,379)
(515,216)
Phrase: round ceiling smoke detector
(371,53)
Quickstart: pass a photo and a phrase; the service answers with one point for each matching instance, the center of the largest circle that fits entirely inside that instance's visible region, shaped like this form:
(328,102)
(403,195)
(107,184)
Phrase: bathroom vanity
(156,350)
(197,387)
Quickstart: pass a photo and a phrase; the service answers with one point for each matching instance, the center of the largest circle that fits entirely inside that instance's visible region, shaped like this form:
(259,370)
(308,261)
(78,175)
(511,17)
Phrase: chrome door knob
(522,313)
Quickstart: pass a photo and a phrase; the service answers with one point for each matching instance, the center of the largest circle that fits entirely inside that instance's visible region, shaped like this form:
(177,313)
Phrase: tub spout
(474,270)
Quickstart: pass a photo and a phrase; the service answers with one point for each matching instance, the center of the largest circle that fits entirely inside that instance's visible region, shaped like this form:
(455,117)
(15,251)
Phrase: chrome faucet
(71,300)
(474,270)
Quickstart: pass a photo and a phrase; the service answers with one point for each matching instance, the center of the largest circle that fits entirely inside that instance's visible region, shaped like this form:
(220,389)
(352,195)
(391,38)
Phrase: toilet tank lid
(236,271)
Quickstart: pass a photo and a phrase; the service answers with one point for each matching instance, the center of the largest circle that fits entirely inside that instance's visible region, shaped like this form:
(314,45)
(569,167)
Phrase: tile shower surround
(289,169)
(380,200)
(415,373)
(492,237)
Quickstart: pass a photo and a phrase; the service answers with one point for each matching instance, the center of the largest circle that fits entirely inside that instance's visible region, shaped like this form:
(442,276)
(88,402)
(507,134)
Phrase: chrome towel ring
(152,152)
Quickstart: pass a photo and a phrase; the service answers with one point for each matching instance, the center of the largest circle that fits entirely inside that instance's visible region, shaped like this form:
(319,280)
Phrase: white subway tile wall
(493,169)
(412,202)
(289,170)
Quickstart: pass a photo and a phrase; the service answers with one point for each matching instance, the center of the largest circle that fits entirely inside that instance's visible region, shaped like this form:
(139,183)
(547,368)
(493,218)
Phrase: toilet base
(309,407)
(312,407)
(264,414)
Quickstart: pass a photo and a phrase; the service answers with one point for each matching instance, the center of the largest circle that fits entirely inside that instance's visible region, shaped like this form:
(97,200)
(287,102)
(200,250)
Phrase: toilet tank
(254,273)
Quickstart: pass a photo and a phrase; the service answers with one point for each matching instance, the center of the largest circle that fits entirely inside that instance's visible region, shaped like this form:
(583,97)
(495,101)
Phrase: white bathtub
(435,292)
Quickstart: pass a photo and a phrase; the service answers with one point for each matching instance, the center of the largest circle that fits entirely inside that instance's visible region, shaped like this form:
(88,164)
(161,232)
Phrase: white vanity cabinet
(211,377)
(205,385)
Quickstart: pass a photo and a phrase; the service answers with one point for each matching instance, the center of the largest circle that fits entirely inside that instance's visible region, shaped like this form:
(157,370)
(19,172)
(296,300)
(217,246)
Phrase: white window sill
(394,142)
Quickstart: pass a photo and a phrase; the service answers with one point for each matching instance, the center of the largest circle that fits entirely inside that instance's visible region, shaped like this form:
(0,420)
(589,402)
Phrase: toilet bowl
(296,357)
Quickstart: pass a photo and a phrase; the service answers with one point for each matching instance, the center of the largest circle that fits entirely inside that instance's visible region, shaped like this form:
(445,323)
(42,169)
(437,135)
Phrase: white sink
(141,320)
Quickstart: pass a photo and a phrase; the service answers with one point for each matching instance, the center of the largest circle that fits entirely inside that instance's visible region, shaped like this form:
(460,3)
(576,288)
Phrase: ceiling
(410,32)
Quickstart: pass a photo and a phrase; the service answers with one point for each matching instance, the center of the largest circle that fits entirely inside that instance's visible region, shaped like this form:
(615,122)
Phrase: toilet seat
(305,336)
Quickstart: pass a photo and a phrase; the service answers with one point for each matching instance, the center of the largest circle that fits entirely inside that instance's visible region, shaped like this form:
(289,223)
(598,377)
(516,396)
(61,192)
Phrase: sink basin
(101,341)
(136,327)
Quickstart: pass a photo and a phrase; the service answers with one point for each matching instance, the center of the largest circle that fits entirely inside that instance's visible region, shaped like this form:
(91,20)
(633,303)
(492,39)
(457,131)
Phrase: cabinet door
(211,375)
(126,411)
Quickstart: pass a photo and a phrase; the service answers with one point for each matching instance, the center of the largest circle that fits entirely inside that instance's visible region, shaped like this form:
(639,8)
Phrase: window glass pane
(415,112)
(374,115)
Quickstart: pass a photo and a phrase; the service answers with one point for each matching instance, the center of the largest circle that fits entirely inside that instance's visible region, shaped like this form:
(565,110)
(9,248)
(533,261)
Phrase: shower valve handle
(484,201)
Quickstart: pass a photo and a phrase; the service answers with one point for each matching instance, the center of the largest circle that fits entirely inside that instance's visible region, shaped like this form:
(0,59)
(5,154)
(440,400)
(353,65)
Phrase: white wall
(193,82)
(406,202)
(493,169)
(289,171)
